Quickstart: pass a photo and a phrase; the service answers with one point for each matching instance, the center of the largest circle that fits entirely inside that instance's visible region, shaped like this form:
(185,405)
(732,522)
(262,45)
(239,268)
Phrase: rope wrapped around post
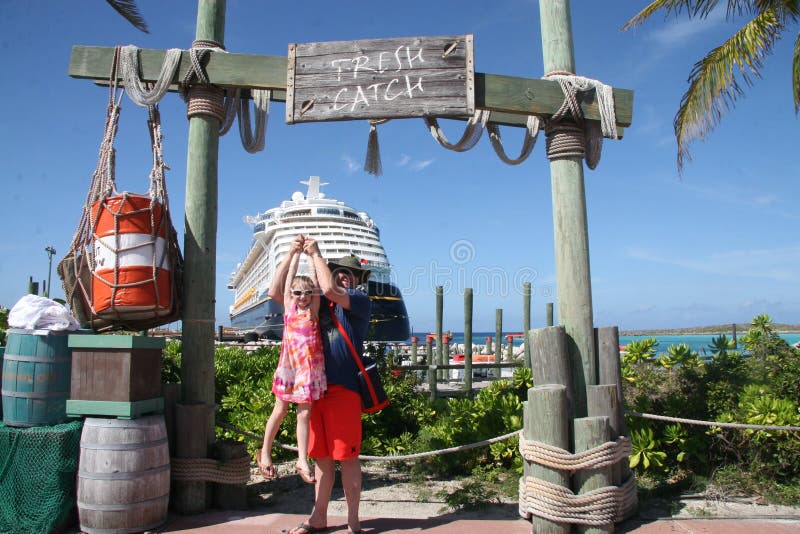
(203,98)
(601,506)
(236,471)
(567,134)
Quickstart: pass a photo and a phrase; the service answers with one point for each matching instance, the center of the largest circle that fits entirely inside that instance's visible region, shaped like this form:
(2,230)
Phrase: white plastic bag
(33,312)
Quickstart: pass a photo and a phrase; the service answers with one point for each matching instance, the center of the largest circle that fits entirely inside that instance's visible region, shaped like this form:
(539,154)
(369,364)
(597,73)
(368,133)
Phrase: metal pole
(573,283)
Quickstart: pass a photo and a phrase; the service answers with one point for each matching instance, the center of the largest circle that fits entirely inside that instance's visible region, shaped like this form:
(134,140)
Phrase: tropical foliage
(754,386)
(715,82)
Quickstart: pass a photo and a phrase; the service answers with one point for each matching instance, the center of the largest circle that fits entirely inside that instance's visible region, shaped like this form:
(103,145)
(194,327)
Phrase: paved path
(220,522)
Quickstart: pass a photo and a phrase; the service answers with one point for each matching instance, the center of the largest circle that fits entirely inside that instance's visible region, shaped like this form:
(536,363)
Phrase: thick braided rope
(531,133)
(566,139)
(236,471)
(139,93)
(602,506)
(254,142)
(603,455)
(393,458)
(712,423)
(471,136)
(204,99)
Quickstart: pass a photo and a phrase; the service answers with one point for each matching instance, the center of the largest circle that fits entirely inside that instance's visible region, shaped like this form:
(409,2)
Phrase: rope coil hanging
(372,161)
(204,99)
(139,93)
(568,136)
(472,133)
(531,133)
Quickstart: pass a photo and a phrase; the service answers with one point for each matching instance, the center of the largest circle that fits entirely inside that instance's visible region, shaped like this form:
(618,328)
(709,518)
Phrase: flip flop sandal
(306,474)
(305,528)
(267,471)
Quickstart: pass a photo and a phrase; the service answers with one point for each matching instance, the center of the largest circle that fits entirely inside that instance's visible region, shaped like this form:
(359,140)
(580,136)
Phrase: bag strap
(353,352)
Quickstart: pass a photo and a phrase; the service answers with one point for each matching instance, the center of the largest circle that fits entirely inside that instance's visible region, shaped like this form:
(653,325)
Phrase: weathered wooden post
(573,282)
(548,422)
(549,321)
(468,341)
(548,364)
(414,347)
(429,350)
(200,252)
(591,432)
(498,345)
(603,402)
(526,320)
(439,334)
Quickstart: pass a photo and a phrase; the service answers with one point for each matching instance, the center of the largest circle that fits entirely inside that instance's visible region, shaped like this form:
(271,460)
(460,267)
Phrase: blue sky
(718,244)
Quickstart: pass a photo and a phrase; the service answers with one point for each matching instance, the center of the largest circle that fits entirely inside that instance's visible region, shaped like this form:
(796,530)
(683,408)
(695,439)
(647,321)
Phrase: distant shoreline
(727,329)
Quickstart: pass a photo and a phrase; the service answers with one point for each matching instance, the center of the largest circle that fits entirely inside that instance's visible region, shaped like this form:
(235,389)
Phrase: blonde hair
(303,281)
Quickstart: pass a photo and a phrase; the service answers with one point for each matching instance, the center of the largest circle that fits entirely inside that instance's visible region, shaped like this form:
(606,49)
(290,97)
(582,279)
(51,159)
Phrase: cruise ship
(340,230)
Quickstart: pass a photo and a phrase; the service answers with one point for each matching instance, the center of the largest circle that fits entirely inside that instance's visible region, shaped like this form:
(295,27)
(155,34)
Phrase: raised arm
(315,298)
(287,286)
(276,290)
(324,276)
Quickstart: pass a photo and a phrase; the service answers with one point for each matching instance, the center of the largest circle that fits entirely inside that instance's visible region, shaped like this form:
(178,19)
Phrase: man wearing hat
(335,426)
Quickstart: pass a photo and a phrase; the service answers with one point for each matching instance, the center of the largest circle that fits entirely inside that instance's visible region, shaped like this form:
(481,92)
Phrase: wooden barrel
(123,475)
(36,377)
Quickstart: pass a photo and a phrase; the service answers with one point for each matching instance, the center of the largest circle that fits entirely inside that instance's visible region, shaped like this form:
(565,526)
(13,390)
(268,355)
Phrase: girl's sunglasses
(297,292)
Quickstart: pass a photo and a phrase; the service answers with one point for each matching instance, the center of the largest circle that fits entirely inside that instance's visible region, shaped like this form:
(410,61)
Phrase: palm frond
(129,10)
(713,82)
(695,8)
(796,74)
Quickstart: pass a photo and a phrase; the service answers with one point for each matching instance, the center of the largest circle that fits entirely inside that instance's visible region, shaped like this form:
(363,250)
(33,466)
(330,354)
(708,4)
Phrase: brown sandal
(267,471)
(306,474)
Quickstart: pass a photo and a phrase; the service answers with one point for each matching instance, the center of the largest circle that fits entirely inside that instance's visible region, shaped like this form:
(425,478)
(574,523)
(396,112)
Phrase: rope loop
(472,134)
(251,142)
(531,133)
(138,92)
(203,98)
(206,100)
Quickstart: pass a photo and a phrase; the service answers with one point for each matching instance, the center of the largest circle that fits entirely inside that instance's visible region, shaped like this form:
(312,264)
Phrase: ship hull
(388,316)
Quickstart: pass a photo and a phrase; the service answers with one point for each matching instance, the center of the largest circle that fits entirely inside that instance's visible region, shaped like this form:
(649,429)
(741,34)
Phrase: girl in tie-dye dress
(300,374)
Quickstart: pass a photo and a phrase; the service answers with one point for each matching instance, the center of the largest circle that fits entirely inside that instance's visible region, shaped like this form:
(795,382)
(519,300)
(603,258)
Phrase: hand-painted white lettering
(411,88)
(336,105)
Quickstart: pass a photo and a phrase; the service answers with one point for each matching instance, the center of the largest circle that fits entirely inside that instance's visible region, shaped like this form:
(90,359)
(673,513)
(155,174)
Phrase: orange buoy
(132,277)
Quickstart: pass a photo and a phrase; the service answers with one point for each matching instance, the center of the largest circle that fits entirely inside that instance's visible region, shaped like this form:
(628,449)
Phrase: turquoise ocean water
(698,343)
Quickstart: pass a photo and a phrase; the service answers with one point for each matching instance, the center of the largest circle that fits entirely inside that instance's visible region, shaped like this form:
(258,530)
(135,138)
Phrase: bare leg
(271,430)
(325,474)
(303,415)
(351,483)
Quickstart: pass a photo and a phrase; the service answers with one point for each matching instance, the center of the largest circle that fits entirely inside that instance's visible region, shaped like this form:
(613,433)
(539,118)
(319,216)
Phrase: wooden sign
(381,79)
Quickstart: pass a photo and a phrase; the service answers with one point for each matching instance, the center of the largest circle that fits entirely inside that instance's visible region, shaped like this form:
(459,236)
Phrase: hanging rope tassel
(372,163)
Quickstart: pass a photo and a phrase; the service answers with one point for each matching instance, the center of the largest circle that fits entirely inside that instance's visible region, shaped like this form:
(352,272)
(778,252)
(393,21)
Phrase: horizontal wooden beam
(512,98)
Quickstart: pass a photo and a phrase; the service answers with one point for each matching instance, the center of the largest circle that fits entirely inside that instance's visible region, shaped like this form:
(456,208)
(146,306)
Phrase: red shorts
(334,430)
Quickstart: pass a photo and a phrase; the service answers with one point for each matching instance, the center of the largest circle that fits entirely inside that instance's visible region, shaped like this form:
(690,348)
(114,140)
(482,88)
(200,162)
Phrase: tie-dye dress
(300,374)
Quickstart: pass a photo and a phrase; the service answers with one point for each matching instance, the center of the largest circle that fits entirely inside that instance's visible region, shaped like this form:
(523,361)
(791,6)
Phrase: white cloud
(777,264)
(413,164)
(351,164)
(419,165)
(681,30)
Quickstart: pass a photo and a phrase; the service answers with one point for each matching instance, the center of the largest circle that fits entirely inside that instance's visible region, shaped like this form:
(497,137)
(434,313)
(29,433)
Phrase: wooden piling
(230,496)
(609,369)
(191,441)
(468,341)
(548,423)
(498,345)
(591,432)
(549,364)
(414,348)
(439,315)
(526,320)
(549,314)
(603,402)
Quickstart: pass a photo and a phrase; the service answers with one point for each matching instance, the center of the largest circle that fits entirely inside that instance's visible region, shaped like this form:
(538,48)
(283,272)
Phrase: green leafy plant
(3,325)
(644,450)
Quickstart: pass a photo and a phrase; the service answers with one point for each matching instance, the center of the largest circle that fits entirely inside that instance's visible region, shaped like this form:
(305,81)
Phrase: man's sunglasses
(297,292)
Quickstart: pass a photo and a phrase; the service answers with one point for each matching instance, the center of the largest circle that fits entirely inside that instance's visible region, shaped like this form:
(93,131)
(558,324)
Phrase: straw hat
(351,263)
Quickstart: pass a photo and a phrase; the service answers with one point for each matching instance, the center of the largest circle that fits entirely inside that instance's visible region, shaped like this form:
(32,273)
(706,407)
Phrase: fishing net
(38,468)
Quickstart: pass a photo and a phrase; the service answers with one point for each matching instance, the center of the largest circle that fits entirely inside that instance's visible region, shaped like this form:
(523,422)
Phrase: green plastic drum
(36,377)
